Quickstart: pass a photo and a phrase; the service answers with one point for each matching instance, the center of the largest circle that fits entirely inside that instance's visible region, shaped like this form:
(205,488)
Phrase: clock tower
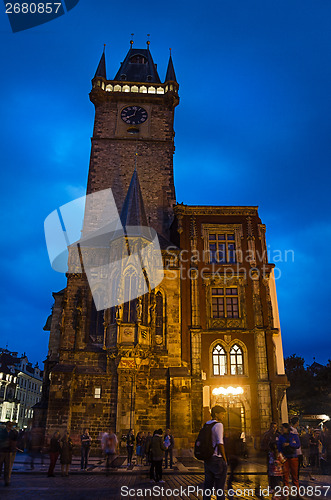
(134,116)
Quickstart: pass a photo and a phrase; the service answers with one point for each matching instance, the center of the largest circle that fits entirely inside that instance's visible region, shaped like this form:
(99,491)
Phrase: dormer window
(138,59)
(149,78)
(123,77)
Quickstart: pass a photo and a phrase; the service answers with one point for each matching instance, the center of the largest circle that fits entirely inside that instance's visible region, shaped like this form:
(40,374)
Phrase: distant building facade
(20,388)
(212,325)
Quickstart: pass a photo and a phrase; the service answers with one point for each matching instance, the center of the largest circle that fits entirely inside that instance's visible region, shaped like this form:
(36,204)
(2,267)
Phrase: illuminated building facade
(212,323)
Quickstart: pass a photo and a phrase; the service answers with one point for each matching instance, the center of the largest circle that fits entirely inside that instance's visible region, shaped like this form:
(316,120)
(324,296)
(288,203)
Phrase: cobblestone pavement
(133,486)
(133,482)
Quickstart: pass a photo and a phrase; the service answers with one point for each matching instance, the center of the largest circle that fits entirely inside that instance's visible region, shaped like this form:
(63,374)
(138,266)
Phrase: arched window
(219,361)
(144,314)
(97,320)
(236,360)
(130,290)
(159,314)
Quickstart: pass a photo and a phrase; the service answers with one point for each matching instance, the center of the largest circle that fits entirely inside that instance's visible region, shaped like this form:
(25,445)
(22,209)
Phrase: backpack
(203,448)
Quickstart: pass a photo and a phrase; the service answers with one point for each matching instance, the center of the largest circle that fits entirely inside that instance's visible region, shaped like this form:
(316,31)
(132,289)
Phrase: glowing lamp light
(228,391)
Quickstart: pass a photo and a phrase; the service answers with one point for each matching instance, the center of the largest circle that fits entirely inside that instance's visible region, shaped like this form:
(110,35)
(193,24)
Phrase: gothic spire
(170,76)
(101,69)
(133,210)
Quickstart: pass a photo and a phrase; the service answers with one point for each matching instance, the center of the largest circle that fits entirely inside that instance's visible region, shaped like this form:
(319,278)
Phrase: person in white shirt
(216,466)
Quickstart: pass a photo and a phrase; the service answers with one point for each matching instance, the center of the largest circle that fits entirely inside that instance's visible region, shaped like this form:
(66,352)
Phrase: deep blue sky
(253,127)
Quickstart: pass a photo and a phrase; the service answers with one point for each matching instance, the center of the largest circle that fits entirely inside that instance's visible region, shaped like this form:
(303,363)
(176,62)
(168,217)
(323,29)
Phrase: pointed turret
(101,69)
(170,75)
(133,210)
(138,66)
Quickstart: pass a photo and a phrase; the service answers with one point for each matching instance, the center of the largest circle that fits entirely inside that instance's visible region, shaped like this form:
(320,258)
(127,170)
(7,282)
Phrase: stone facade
(150,363)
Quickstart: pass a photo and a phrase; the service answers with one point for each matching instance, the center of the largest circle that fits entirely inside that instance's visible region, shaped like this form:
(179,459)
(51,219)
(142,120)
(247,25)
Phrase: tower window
(138,59)
(97,392)
(222,248)
(219,361)
(236,360)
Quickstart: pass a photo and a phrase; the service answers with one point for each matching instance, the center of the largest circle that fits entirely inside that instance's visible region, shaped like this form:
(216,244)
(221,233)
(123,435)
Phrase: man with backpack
(209,447)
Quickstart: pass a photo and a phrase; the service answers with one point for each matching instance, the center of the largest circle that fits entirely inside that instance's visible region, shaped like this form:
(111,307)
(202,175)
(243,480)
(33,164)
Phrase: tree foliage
(310,390)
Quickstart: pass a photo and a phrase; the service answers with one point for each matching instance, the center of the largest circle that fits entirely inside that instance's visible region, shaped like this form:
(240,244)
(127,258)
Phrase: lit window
(97,392)
(219,361)
(222,248)
(236,360)
(225,302)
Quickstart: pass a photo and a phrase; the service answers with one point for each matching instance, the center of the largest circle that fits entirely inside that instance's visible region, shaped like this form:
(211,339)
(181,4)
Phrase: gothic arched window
(219,360)
(97,320)
(159,314)
(130,290)
(236,360)
(144,314)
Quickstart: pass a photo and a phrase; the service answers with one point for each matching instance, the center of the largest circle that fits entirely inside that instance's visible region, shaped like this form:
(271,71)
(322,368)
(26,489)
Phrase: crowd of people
(287,451)
(150,449)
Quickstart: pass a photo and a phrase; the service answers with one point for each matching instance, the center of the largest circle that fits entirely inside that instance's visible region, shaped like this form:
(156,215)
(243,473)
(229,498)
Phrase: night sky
(252,128)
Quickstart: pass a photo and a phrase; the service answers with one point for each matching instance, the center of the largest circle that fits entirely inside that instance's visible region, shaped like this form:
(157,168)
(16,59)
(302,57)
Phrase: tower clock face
(134,115)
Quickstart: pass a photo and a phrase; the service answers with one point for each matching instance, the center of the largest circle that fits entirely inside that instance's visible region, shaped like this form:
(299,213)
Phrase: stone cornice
(214,210)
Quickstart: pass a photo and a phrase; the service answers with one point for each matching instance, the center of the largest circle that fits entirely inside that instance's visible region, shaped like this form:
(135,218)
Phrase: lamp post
(228,392)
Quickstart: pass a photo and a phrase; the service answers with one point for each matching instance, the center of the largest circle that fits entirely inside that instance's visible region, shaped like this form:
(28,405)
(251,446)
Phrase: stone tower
(134,117)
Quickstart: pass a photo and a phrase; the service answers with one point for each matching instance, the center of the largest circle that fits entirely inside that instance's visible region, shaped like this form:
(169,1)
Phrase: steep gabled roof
(138,66)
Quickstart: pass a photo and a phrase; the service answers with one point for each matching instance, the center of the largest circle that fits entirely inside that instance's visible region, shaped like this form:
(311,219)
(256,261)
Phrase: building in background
(20,388)
(208,333)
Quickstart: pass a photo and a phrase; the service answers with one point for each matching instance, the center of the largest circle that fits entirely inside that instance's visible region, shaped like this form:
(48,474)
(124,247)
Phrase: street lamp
(228,392)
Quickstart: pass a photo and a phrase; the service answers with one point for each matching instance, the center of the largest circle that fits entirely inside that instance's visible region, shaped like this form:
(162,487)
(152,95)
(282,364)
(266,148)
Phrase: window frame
(224,299)
(226,229)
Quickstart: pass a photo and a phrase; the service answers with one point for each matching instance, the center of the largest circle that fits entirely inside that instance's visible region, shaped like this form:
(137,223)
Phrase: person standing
(216,465)
(66,453)
(326,450)
(294,428)
(148,443)
(169,443)
(86,441)
(109,446)
(314,442)
(54,451)
(139,447)
(157,452)
(8,444)
(288,443)
(276,461)
(232,443)
(304,440)
(130,445)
